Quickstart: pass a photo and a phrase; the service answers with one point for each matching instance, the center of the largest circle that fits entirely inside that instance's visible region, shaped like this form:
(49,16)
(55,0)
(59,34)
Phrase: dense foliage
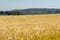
(30,12)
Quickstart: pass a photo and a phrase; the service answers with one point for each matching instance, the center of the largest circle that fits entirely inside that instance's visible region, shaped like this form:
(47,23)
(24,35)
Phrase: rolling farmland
(30,27)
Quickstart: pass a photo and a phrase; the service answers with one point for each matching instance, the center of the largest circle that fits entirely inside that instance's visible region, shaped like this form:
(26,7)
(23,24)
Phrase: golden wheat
(30,27)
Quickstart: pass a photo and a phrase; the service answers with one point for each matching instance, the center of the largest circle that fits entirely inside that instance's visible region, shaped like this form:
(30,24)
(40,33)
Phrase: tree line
(25,13)
(10,13)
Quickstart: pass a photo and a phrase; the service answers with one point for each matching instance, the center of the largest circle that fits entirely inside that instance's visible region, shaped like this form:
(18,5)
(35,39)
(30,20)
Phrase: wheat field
(30,27)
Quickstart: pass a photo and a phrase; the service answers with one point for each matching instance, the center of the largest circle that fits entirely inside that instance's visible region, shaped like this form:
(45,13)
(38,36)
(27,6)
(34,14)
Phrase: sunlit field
(30,27)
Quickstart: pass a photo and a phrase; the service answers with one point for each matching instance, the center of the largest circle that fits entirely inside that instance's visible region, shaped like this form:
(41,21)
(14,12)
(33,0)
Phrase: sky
(23,4)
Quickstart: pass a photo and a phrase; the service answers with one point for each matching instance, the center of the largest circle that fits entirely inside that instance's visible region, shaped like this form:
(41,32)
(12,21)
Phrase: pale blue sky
(22,4)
